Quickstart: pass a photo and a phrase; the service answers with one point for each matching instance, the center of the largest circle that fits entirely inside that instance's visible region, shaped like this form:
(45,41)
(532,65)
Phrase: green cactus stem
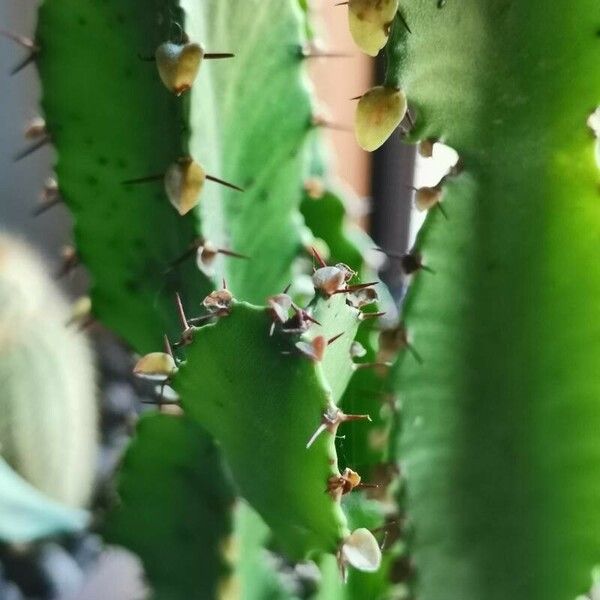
(500,442)
(171,489)
(272,399)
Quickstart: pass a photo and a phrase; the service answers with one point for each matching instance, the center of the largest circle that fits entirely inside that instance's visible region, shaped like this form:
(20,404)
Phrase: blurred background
(78,568)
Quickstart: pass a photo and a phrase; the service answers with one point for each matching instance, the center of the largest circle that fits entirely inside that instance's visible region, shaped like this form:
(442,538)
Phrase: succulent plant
(47,405)
(216,243)
(186,212)
(499,449)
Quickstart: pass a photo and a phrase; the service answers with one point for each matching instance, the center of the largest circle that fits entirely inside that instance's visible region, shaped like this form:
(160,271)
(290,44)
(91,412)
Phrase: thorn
(410,261)
(31,149)
(146,179)
(187,333)
(341,3)
(168,348)
(24,63)
(320,429)
(187,254)
(414,352)
(325,124)
(287,288)
(86,323)
(19,39)
(367,486)
(25,43)
(193,249)
(403,20)
(226,252)
(43,207)
(331,420)
(356,98)
(383,541)
(197,321)
(392,341)
(355,288)
(218,55)
(386,526)
(309,317)
(442,210)
(160,401)
(319,258)
(371,315)
(357,418)
(334,338)
(224,183)
(371,365)
(70,261)
(181,312)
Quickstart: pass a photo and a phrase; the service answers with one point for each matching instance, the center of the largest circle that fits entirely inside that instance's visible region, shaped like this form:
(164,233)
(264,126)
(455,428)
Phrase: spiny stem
(181,312)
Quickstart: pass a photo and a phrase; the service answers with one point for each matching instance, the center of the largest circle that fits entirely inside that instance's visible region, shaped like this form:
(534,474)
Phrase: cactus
(499,442)
(128,236)
(171,488)
(47,405)
(495,440)
(142,183)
